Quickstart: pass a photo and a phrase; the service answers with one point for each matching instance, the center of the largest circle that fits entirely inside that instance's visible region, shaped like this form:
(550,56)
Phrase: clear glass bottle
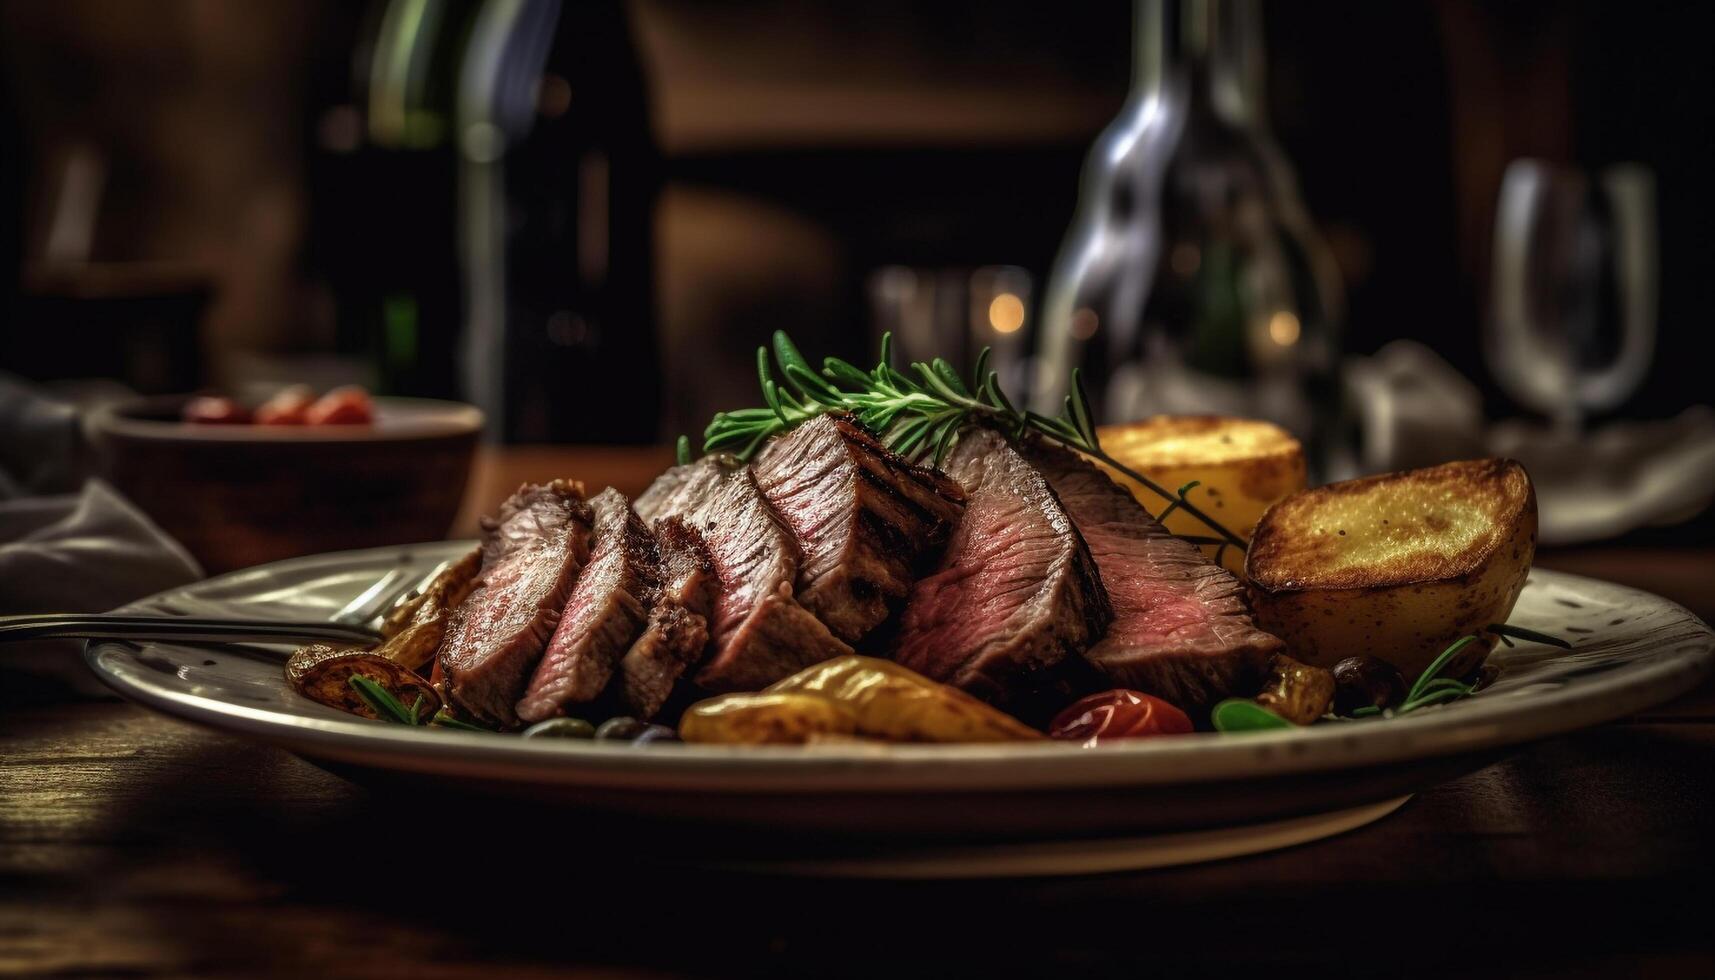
(1191,279)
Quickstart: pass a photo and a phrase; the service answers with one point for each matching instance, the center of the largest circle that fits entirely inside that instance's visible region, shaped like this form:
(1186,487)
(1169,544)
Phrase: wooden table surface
(133,845)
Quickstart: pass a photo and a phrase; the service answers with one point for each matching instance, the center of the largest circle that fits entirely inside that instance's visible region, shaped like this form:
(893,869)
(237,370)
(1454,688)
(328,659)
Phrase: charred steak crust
(864,518)
(760,632)
(678,630)
(606,611)
(531,556)
(1016,595)
(1182,630)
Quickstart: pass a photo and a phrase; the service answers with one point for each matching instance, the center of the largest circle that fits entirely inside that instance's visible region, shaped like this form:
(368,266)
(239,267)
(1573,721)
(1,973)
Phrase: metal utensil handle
(112,626)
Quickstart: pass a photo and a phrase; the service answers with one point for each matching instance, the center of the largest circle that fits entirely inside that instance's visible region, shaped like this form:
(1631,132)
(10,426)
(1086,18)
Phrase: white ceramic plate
(1631,650)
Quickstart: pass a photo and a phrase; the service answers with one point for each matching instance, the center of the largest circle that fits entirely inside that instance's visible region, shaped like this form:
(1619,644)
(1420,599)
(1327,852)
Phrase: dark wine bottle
(383,182)
(1191,279)
(558,176)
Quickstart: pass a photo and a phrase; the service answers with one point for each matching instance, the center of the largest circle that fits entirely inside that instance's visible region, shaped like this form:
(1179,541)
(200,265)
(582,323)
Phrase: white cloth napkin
(1415,409)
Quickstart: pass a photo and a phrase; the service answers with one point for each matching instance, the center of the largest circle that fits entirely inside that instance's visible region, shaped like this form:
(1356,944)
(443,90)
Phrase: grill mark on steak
(531,556)
(1182,630)
(678,629)
(1016,596)
(864,518)
(606,611)
(760,632)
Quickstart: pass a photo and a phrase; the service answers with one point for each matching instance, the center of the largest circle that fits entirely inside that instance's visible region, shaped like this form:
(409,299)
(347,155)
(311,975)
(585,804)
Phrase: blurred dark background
(199,193)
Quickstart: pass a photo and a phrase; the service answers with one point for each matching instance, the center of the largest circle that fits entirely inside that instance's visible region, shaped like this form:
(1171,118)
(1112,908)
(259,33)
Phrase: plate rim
(862,768)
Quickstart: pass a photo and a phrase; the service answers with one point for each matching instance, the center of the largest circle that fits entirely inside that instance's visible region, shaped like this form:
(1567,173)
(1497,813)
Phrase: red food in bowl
(210,410)
(1119,714)
(289,407)
(342,406)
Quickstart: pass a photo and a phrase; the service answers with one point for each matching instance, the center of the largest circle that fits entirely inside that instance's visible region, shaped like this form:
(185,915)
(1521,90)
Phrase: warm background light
(1006,313)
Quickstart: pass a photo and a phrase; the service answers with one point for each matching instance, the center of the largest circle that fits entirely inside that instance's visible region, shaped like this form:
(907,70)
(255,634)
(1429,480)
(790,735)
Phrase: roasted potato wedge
(323,674)
(766,719)
(1395,566)
(851,697)
(894,703)
(414,629)
(1242,466)
(445,592)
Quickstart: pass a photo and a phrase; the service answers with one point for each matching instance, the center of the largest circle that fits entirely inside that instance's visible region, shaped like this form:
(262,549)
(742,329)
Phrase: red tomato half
(209,410)
(1118,714)
(342,406)
(289,407)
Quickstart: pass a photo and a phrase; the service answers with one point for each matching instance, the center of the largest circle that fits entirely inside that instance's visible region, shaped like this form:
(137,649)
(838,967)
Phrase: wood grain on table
(134,845)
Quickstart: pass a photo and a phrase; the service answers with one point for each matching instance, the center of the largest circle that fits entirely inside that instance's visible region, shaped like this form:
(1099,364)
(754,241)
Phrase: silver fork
(357,622)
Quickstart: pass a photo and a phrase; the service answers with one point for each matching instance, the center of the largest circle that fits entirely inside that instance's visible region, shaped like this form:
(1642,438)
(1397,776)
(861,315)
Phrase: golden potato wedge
(1396,566)
(898,704)
(1242,466)
(765,719)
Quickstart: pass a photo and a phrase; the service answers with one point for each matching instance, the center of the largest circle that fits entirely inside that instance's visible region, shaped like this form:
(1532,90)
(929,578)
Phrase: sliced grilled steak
(678,629)
(863,518)
(1016,593)
(761,633)
(531,557)
(1181,629)
(606,611)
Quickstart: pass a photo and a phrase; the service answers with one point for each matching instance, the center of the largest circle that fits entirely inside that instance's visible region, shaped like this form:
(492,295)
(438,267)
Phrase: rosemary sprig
(919,412)
(383,703)
(445,719)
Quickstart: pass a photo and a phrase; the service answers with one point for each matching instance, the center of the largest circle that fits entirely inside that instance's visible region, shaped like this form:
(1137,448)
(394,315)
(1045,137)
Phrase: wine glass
(1574,306)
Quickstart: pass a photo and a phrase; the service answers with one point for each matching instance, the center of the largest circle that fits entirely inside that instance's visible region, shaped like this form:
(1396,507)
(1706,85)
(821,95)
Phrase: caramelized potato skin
(848,697)
(1395,566)
(323,673)
(765,719)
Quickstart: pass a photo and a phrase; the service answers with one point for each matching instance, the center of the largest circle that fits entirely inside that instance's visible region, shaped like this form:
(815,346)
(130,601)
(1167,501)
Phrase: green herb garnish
(1505,630)
(383,703)
(1245,715)
(445,719)
(919,412)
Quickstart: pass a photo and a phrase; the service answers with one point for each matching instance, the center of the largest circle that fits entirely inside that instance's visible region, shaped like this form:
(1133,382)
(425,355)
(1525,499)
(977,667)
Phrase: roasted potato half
(1242,467)
(1395,566)
(322,673)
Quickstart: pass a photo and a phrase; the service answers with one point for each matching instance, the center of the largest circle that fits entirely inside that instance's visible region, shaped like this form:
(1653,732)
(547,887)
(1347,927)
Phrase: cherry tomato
(209,410)
(1119,714)
(342,406)
(289,407)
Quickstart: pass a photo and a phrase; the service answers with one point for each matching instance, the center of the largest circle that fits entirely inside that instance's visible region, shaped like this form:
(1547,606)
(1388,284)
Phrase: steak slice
(1181,628)
(678,628)
(531,556)
(605,613)
(1016,592)
(863,517)
(760,632)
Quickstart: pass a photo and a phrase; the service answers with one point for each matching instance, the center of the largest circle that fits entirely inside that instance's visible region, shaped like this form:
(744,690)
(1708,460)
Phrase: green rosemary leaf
(1437,697)
(1504,630)
(980,370)
(1245,715)
(949,377)
(844,372)
(911,435)
(417,710)
(1439,664)
(682,450)
(997,397)
(944,437)
(445,719)
(798,371)
(380,700)
(1079,401)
